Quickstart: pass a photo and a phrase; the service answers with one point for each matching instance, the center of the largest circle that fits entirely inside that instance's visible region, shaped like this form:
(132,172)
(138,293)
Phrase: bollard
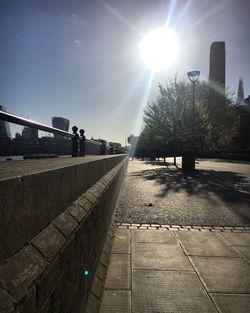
(75,142)
(82,142)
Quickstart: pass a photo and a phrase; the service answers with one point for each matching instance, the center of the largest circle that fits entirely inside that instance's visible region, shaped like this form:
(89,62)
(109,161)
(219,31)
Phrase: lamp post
(193,77)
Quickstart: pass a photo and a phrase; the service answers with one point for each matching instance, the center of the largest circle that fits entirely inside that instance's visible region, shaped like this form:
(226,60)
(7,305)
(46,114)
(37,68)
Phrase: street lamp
(193,76)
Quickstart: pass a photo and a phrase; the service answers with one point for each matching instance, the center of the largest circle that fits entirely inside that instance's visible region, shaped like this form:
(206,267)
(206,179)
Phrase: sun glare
(159,48)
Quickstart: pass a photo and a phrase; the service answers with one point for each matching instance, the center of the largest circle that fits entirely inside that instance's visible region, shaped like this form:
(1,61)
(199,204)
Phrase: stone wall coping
(10,169)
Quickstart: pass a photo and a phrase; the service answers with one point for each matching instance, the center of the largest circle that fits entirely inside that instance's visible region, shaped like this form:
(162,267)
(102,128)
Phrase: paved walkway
(174,271)
(183,241)
(161,194)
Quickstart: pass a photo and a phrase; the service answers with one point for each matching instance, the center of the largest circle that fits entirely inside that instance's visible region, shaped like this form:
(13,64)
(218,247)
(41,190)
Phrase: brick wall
(29,202)
(46,275)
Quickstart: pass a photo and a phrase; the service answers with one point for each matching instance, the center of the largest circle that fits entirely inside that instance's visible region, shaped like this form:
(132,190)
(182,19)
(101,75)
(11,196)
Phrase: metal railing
(76,139)
(12,118)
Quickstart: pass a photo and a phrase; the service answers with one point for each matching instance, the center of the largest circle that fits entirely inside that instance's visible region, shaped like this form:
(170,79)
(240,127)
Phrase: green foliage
(221,121)
(165,117)
(169,120)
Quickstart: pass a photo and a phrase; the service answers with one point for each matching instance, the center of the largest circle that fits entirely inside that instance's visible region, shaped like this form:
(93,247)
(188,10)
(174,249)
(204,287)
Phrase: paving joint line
(231,229)
(162,270)
(131,273)
(234,247)
(203,284)
(240,254)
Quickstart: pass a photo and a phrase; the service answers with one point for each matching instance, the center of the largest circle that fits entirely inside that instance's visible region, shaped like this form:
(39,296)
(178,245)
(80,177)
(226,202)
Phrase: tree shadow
(224,160)
(205,184)
(230,187)
(203,196)
(161,163)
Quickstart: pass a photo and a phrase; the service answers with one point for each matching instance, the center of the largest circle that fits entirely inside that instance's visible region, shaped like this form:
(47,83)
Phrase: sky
(80,59)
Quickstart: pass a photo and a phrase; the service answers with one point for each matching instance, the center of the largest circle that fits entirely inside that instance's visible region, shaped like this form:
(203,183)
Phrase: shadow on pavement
(228,186)
(207,184)
(225,160)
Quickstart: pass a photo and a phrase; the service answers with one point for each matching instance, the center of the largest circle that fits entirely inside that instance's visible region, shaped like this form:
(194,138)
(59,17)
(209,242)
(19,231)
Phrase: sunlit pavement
(216,194)
(183,241)
(167,271)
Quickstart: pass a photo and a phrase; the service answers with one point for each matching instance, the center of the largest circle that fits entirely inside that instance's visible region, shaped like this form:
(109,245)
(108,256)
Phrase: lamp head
(193,76)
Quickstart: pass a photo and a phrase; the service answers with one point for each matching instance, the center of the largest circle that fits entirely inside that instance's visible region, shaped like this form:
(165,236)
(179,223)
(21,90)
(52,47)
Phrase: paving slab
(163,236)
(244,250)
(222,274)
(116,301)
(119,276)
(121,243)
(177,272)
(169,292)
(232,303)
(237,239)
(205,244)
(159,256)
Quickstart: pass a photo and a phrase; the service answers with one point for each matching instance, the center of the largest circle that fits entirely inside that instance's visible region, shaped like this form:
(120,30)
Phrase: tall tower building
(29,133)
(4,126)
(217,64)
(60,123)
(240,93)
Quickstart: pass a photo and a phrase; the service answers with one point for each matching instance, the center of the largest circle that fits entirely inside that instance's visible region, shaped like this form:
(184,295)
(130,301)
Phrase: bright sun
(159,48)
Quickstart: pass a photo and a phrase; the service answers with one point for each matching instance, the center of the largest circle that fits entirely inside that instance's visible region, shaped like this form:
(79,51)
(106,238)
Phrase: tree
(166,118)
(168,121)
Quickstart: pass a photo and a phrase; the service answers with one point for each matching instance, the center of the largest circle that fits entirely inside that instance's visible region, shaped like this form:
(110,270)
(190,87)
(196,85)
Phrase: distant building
(99,140)
(217,64)
(115,147)
(133,141)
(243,138)
(4,126)
(29,133)
(60,123)
(247,100)
(115,144)
(240,93)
